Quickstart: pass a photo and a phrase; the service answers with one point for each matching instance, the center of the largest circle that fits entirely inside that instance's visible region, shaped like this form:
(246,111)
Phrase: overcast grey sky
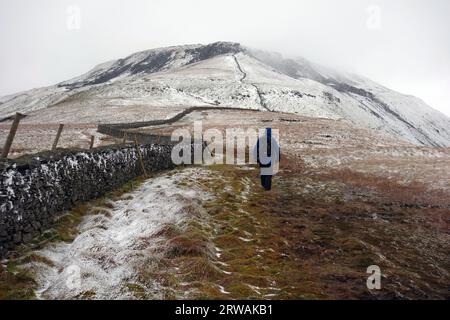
(402,44)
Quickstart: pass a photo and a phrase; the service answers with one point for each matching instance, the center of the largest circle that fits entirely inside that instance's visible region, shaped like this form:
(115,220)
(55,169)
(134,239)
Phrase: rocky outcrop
(156,60)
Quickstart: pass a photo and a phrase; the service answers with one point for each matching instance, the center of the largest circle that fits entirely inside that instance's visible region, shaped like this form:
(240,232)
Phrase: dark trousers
(266,182)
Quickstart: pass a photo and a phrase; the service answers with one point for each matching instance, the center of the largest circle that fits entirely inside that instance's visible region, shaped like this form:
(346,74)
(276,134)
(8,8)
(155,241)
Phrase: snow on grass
(112,247)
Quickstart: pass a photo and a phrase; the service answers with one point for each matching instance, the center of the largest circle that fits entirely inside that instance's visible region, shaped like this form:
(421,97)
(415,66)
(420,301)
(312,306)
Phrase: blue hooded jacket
(269,141)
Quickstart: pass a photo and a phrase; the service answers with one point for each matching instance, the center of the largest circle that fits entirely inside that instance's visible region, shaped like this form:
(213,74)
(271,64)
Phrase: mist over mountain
(232,75)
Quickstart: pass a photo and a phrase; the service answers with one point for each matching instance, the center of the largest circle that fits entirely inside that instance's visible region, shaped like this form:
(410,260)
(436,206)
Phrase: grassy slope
(313,236)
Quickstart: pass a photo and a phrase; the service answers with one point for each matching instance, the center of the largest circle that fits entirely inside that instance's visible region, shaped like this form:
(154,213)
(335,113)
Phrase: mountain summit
(229,74)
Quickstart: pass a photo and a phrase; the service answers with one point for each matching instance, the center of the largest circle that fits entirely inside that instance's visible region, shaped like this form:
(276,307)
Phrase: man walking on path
(268,157)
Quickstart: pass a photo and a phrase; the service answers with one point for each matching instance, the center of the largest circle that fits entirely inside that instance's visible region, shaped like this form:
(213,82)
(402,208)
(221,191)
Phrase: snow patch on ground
(112,248)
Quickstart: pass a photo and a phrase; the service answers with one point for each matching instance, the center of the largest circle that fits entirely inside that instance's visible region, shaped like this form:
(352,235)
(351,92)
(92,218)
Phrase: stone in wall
(35,189)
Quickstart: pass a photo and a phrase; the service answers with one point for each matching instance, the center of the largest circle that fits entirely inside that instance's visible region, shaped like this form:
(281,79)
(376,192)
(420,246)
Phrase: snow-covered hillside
(228,74)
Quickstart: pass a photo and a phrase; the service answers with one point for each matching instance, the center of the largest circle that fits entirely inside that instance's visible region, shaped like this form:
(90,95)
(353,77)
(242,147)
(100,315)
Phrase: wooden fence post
(92,142)
(58,135)
(138,149)
(125,138)
(11,135)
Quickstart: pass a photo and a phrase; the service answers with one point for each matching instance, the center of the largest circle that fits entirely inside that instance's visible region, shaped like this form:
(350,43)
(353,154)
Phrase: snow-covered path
(114,245)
